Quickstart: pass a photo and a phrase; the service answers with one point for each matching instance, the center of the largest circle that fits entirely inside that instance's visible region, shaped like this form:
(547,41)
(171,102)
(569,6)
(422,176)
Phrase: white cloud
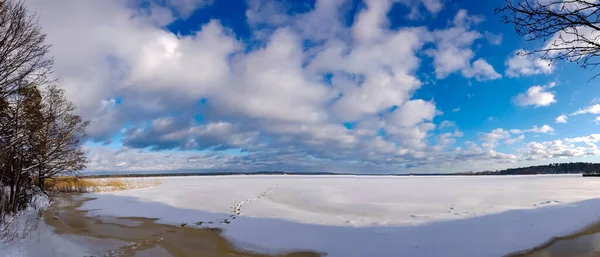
(379,91)
(535,129)
(561,119)
(536,96)
(458,133)
(412,113)
(514,139)
(544,129)
(457,109)
(592,109)
(490,140)
(516,131)
(481,71)
(493,39)
(433,6)
(370,21)
(103,158)
(186,7)
(447,124)
(526,65)
(592,138)
(453,50)
(271,82)
(568,147)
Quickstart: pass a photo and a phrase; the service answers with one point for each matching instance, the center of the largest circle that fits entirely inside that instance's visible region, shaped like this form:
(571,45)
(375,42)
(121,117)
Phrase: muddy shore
(584,243)
(138,236)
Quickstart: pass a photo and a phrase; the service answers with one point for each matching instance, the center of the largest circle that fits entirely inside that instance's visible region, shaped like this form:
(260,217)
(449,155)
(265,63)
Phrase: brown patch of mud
(585,243)
(143,236)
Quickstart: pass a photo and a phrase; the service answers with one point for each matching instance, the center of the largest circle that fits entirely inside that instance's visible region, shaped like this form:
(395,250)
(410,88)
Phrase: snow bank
(20,224)
(26,235)
(373,216)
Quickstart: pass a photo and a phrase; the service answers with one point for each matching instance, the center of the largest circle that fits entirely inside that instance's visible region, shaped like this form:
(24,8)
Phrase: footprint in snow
(547,202)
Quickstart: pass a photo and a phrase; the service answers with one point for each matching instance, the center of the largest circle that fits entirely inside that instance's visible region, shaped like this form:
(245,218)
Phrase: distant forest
(554,168)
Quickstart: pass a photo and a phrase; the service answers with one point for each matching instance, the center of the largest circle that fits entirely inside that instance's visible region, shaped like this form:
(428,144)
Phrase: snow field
(371,216)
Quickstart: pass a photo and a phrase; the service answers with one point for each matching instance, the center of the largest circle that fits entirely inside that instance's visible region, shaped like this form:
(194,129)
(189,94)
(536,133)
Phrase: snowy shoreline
(371,216)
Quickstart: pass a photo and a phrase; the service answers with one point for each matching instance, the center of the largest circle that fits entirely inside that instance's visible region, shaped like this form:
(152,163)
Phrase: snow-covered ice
(372,216)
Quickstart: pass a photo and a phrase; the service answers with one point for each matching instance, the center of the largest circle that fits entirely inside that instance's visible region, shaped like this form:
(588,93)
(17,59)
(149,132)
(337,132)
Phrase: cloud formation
(536,96)
(299,90)
(592,109)
(561,148)
(519,64)
(561,119)
(492,139)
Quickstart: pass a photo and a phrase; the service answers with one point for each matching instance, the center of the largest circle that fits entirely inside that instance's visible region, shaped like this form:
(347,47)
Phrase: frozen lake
(371,216)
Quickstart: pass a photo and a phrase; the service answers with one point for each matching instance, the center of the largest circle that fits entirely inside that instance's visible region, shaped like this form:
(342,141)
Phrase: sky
(373,86)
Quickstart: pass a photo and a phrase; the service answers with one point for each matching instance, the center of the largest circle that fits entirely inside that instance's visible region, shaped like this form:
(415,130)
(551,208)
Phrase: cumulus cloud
(561,148)
(433,6)
(592,109)
(453,50)
(492,139)
(412,113)
(535,129)
(536,96)
(543,129)
(519,64)
(561,119)
(278,99)
(481,71)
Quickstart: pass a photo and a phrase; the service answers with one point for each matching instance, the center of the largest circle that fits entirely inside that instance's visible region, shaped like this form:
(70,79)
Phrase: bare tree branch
(570,28)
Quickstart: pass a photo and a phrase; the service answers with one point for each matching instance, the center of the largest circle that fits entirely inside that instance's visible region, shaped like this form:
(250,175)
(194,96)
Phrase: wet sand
(585,243)
(143,236)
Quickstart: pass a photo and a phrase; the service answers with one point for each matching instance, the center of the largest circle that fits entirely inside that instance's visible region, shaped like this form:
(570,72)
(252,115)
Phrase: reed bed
(88,185)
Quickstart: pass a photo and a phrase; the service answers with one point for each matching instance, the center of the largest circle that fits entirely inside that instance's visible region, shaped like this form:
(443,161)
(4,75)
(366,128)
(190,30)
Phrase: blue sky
(375,86)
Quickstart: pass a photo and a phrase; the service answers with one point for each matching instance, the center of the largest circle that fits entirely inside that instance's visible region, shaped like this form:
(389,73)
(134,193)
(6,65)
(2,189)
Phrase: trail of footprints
(236,210)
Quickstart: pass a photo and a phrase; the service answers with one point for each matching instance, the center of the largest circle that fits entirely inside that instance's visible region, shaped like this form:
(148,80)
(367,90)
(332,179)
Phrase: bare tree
(23,61)
(570,28)
(40,135)
(57,145)
(23,51)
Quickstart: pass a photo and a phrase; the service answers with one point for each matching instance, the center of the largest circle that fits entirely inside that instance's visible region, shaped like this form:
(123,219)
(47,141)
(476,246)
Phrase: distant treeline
(554,168)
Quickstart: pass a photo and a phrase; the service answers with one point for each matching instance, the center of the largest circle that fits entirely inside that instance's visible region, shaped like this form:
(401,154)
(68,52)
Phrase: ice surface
(372,216)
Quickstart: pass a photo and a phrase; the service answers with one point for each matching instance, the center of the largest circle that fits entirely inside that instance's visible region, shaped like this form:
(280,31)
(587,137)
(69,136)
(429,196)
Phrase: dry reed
(86,185)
